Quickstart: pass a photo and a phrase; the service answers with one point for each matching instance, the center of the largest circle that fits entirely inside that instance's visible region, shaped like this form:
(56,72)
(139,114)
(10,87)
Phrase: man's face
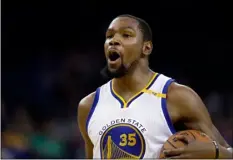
(123,44)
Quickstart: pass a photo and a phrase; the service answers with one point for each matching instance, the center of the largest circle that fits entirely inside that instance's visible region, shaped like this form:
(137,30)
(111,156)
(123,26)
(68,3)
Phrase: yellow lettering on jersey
(128,139)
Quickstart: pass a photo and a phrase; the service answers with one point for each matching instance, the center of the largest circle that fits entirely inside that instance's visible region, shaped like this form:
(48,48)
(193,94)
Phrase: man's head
(128,39)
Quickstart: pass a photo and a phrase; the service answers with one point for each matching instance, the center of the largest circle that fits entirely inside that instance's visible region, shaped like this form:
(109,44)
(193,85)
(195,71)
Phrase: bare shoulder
(86,102)
(85,105)
(183,101)
(175,87)
(84,108)
(186,104)
(178,92)
(83,111)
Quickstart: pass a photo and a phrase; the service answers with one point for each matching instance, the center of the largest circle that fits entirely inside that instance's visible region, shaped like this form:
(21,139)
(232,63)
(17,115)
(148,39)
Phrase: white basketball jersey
(135,129)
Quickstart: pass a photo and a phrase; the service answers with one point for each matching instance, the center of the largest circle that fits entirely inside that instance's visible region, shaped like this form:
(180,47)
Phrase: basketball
(192,135)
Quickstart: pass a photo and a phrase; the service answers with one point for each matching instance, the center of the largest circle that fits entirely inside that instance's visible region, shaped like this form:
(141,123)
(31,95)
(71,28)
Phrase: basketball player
(132,115)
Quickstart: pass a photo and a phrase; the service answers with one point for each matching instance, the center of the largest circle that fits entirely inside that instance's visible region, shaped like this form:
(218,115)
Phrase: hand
(192,150)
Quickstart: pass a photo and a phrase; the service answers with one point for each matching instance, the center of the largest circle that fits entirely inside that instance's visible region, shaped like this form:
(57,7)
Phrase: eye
(126,35)
(109,36)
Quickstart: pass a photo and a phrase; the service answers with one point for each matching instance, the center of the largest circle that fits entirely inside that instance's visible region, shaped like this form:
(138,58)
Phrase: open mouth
(113,56)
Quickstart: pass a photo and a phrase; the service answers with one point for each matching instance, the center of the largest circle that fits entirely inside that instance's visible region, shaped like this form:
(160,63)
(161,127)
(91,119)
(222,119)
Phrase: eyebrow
(121,28)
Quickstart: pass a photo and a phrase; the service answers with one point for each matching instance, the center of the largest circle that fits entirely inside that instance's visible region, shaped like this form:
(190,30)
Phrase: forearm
(225,153)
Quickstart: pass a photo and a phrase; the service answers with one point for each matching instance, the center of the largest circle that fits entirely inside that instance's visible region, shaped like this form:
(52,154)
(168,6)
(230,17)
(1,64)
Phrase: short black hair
(143,26)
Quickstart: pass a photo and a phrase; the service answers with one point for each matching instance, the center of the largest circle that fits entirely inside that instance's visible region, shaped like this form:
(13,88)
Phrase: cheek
(105,48)
(133,52)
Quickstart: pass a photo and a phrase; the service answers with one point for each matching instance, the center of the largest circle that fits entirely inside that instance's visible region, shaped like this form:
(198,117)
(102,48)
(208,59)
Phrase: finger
(173,152)
(182,138)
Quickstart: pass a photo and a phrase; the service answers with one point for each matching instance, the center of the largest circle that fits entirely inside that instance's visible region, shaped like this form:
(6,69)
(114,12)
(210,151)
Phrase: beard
(120,72)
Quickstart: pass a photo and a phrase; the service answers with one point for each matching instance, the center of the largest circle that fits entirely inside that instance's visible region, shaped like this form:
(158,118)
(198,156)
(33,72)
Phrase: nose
(114,42)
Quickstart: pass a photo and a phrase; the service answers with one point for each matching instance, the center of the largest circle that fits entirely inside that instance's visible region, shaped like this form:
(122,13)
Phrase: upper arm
(192,111)
(83,111)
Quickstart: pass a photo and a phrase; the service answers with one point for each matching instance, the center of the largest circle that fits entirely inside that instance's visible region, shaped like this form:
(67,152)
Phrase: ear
(147,48)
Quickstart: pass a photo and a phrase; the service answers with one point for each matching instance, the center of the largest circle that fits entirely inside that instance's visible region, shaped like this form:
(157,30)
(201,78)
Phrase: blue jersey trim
(96,99)
(164,107)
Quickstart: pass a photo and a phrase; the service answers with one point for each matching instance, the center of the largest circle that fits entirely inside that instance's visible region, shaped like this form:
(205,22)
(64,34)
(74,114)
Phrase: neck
(133,80)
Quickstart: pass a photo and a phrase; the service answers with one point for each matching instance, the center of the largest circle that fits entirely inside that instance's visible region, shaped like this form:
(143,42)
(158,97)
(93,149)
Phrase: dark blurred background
(52,54)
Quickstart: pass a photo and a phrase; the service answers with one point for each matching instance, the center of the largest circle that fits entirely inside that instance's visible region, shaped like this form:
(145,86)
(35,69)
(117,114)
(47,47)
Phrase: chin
(113,70)
(109,72)
(117,73)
